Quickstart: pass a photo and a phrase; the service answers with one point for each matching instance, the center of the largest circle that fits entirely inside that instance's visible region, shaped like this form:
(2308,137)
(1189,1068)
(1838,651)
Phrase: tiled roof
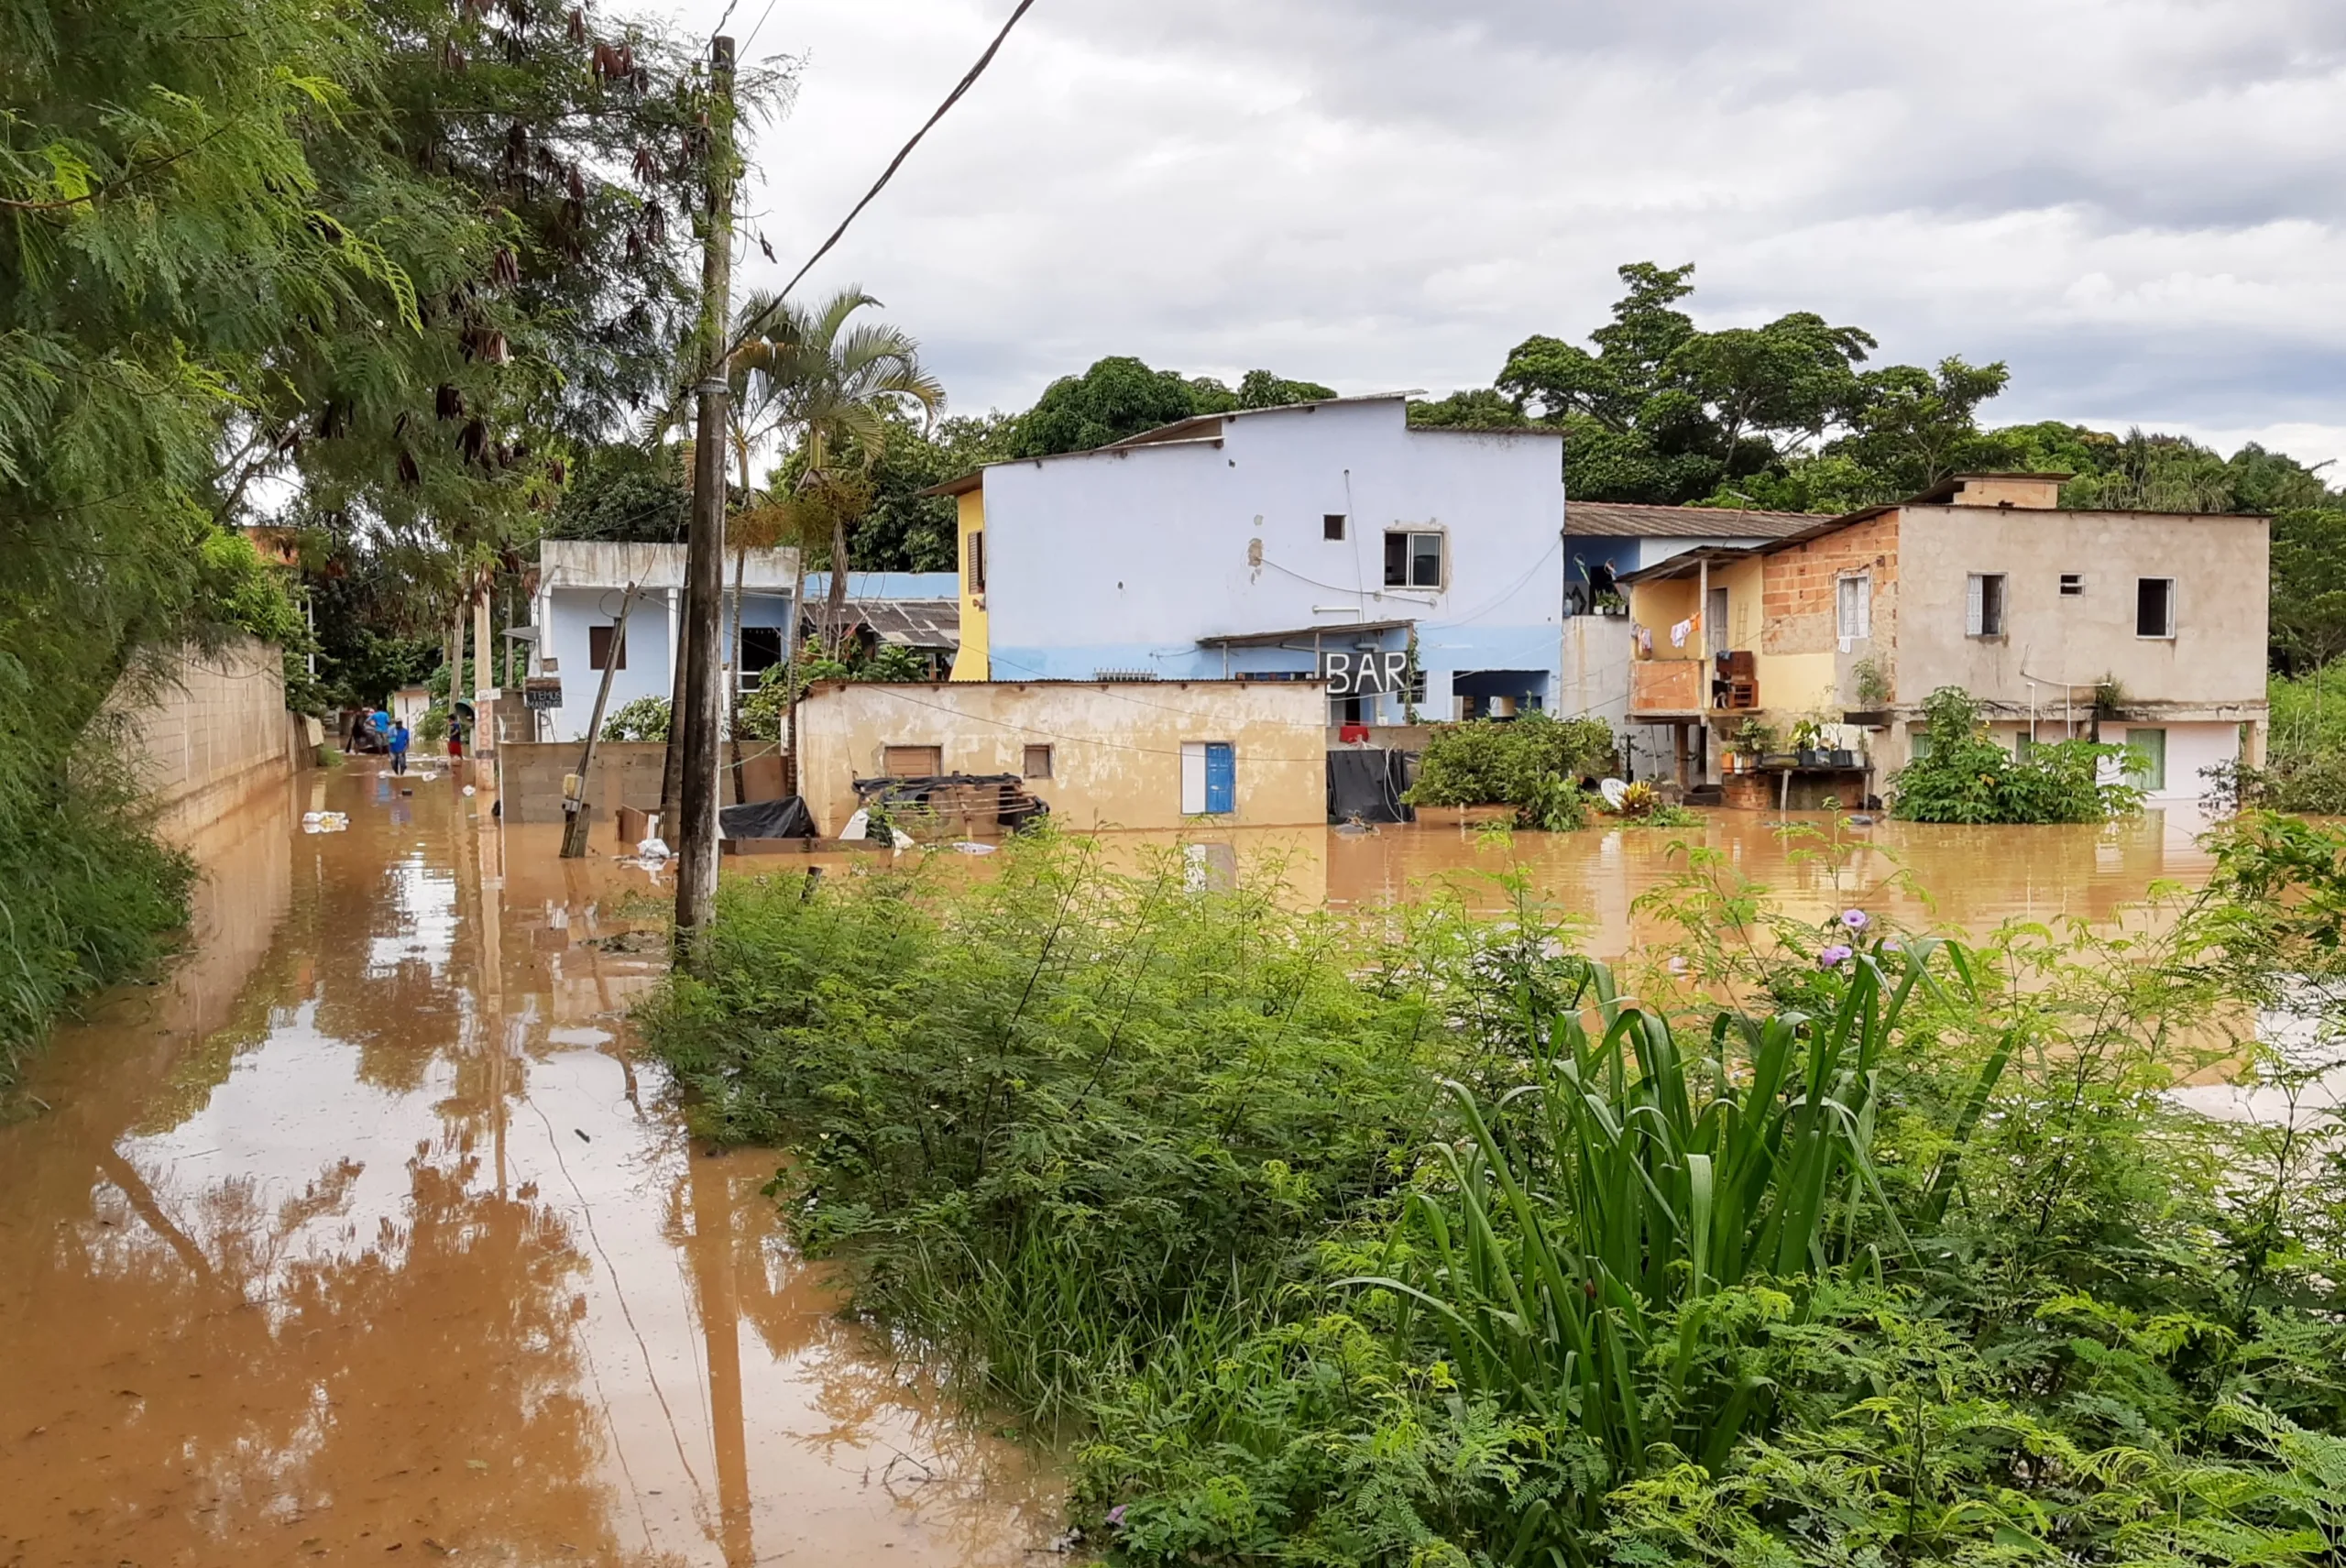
(1631,519)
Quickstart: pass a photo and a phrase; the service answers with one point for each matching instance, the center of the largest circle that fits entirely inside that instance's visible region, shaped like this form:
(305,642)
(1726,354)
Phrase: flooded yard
(361,1232)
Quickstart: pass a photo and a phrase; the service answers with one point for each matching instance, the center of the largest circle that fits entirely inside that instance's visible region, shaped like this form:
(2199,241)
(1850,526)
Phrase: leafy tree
(1473,408)
(1967,777)
(2309,611)
(1120,396)
(623,494)
(1665,411)
(835,380)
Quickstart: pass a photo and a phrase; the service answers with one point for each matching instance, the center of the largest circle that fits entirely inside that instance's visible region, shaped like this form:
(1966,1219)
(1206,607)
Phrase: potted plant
(1606,602)
(1805,735)
(1872,684)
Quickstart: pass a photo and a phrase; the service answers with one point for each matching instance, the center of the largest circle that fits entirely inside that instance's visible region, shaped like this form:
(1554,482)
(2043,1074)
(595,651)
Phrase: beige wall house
(1150,754)
(1983,583)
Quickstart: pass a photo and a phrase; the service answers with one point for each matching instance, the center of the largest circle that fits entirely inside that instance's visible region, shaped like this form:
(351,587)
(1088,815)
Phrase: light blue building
(1416,569)
(574,628)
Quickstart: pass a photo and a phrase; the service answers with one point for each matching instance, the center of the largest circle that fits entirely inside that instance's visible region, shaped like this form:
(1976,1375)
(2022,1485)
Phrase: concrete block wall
(214,729)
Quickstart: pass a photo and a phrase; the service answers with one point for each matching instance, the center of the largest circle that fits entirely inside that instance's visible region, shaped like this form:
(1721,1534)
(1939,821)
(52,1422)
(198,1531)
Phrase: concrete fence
(214,729)
(627,773)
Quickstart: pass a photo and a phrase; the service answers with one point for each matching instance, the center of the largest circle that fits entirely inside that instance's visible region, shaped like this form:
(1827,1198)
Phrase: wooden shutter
(913,761)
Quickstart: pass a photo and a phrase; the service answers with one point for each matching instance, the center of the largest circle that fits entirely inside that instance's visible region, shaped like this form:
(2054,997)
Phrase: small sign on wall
(1362,675)
(541,691)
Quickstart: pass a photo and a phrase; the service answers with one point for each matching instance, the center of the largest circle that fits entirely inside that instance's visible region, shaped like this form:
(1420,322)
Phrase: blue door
(1221,779)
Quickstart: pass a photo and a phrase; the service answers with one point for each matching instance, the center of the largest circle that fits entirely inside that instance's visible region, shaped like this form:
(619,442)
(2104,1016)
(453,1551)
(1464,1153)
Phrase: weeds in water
(1410,1240)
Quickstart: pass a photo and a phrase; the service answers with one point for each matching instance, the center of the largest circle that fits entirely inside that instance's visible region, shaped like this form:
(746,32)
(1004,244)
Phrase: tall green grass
(1412,1240)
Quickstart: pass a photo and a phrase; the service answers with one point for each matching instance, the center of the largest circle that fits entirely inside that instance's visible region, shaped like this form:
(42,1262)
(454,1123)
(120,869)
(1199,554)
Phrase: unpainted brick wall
(1797,594)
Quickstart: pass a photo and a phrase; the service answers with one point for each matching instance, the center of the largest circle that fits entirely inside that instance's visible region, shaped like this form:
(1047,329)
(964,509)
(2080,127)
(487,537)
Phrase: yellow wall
(1794,686)
(1741,579)
(1658,606)
(973,663)
(1115,745)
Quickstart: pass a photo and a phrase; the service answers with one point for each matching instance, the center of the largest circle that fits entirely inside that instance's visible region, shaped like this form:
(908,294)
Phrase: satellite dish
(1614,791)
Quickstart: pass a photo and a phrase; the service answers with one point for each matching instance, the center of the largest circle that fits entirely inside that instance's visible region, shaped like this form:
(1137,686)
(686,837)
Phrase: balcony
(1666,688)
(1690,688)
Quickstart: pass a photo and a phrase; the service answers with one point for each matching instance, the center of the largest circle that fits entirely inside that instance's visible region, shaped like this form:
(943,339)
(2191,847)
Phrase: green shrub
(1966,777)
(1534,763)
(1412,1241)
(645,718)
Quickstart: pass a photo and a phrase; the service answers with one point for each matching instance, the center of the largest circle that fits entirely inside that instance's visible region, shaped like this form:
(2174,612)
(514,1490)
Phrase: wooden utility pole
(579,805)
(702,721)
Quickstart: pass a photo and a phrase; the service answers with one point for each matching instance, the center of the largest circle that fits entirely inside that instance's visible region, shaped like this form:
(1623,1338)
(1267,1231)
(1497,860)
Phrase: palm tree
(831,381)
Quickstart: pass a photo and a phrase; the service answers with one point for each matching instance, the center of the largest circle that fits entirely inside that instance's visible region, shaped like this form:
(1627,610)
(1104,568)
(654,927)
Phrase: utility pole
(703,716)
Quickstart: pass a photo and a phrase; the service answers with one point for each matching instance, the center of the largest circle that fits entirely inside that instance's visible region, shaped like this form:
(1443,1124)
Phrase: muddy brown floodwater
(361,1237)
(361,1234)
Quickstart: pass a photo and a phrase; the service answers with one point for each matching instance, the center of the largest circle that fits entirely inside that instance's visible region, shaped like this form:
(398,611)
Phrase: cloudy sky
(2137,203)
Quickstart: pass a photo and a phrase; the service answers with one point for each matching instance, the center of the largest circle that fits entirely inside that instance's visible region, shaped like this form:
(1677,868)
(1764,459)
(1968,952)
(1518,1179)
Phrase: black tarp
(783,818)
(1365,783)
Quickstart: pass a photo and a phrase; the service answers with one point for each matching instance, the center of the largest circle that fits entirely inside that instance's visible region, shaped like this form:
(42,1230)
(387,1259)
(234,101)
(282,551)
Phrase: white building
(1276,544)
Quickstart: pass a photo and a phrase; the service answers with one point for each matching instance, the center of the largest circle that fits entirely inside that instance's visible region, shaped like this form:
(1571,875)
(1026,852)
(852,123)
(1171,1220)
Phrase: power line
(968,81)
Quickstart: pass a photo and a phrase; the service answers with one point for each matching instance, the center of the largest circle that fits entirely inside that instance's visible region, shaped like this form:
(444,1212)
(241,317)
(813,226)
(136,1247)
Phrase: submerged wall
(1113,748)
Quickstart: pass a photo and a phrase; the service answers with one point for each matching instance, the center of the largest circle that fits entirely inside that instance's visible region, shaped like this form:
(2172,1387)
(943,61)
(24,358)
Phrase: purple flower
(1854,919)
(1116,1515)
(1834,956)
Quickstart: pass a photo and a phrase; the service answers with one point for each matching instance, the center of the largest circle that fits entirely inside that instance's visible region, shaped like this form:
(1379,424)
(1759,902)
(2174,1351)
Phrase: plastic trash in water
(324,821)
(901,839)
(966,848)
(470,790)
(653,850)
(857,826)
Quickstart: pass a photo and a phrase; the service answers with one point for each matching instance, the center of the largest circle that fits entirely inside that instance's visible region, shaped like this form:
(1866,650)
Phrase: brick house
(2145,627)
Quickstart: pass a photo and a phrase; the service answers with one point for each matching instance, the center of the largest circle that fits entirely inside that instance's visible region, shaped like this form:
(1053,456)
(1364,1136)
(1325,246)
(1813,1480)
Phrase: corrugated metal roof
(906,623)
(1631,519)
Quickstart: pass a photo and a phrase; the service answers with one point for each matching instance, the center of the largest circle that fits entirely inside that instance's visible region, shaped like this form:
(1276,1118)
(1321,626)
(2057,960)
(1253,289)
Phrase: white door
(1193,778)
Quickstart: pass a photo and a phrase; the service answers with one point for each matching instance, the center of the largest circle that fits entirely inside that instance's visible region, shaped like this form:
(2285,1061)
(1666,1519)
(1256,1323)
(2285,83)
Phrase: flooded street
(359,1236)
(361,1232)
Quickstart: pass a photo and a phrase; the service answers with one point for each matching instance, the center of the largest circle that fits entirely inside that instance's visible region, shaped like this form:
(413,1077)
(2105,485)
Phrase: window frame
(744,677)
(1026,769)
(2073,584)
(888,768)
(974,559)
(1332,525)
(614,636)
(2150,774)
(1863,583)
(1410,555)
(2168,635)
(1976,597)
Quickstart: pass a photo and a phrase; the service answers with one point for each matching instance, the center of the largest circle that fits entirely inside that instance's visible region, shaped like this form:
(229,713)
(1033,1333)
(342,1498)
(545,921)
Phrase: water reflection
(362,1233)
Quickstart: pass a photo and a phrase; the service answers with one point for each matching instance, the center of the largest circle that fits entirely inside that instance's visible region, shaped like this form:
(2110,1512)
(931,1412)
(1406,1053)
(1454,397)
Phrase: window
(2072,584)
(913,762)
(1331,525)
(977,554)
(1983,605)
(2147,766)
(600,652)
(761,650)
(1412,560)
(1853,607)
(2154,607)
(1209,778)
(1037,763)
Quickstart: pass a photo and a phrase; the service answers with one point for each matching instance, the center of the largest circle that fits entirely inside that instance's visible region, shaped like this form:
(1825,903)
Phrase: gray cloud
(2136,202)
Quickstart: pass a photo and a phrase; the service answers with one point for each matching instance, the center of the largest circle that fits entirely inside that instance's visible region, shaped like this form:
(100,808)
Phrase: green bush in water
(1534,763)
(1965,777)
(1412,1241)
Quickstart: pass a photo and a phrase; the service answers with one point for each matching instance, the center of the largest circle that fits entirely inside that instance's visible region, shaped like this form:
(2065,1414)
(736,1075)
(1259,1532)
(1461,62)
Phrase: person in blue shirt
(398,747)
